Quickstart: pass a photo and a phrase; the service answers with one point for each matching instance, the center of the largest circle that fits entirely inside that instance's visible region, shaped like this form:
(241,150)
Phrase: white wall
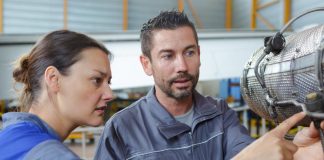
(220,58)
(8,54)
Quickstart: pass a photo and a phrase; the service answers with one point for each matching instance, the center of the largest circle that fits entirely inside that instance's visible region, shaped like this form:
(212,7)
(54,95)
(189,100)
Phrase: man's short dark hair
(165,20)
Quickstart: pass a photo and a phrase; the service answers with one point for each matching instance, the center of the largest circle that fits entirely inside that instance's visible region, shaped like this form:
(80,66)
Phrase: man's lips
(181,80)
(182,83)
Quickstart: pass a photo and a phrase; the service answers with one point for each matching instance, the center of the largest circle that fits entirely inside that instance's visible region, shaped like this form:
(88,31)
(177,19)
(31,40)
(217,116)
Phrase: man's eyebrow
(165,50)
(170,50)
(191,46)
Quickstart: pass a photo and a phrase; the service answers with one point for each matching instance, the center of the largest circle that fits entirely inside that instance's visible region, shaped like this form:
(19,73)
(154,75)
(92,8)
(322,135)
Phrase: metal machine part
(287,78)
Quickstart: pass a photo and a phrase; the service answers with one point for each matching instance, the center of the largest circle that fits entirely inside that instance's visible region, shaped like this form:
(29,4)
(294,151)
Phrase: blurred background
(229,32)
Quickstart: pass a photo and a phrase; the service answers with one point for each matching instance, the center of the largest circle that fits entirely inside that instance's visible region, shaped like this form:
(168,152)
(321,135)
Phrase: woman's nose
(108,94)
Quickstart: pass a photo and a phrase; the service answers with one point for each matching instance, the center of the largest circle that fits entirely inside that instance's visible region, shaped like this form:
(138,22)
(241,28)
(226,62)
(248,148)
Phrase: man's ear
(198,50)
(51,77)
(146,64)
(199,55)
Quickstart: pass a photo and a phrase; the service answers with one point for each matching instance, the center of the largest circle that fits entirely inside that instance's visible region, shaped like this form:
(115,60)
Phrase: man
(174,121)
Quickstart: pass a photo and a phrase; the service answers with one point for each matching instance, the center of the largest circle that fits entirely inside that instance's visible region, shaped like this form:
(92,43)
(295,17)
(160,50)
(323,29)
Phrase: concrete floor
(77,148)
(90,147)
(89,151)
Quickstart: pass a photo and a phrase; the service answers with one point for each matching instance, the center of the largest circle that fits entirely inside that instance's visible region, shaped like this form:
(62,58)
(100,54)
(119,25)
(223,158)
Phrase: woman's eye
(97,81)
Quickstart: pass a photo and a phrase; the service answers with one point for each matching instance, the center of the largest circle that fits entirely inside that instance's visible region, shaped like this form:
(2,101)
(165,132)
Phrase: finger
(322,125)
(307,136)
(290,146)
(287,155)
(285,126)
(312,132)
(289,150)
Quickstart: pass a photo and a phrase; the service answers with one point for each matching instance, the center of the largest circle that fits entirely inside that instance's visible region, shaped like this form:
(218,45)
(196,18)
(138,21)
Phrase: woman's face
(84,92)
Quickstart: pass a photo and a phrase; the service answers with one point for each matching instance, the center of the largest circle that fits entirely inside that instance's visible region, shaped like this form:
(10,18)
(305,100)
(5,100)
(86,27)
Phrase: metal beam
(195,15)
(1,16)
(266,22)
(125,15)
(253,14)
(65,14)
(228,15)
(180,5)
(16,39)
(287,11)
(267,4)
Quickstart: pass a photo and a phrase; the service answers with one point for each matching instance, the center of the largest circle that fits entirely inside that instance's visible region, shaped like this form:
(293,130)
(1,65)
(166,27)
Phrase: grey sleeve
(51,150)
(110,145)
(236,135)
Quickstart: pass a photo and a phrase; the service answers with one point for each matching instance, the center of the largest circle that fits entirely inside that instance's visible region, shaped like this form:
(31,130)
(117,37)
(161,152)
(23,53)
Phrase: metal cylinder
(290,75)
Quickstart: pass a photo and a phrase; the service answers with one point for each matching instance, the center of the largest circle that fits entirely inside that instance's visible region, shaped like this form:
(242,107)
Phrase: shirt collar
(169,126)
(11,118)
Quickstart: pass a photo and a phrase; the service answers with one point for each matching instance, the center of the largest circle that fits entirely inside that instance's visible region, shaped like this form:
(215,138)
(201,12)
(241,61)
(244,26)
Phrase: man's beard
(180,93)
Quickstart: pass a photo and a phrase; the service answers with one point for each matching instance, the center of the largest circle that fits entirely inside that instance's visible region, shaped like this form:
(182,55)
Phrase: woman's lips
(100,110)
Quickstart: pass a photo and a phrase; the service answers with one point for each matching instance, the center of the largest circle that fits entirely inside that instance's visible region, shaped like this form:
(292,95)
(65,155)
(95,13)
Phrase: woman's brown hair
(60,49)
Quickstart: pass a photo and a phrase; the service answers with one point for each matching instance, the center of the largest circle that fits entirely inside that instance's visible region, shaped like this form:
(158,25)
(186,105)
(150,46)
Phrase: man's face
(175,62)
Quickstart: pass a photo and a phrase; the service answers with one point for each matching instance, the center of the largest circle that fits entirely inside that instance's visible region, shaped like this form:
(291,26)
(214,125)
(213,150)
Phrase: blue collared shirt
(25,132)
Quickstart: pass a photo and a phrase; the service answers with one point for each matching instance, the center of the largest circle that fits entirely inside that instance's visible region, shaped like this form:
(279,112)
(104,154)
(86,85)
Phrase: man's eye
(190,53)
(167,56)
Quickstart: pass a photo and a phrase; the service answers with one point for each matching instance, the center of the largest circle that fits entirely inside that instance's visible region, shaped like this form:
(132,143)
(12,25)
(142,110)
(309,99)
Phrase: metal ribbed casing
(288,75)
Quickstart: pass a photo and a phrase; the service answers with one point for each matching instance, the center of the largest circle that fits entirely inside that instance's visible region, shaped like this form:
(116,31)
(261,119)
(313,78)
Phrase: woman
(66,79)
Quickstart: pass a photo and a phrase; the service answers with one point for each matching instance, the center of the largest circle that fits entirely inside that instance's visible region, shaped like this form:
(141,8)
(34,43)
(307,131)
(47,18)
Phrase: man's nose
(181,64)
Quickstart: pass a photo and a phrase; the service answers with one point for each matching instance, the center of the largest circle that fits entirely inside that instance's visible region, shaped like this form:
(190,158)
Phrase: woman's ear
(146,64)
(51,77)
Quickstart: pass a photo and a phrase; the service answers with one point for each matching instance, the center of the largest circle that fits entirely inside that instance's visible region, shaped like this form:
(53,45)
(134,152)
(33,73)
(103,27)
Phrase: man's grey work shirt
(146,131)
